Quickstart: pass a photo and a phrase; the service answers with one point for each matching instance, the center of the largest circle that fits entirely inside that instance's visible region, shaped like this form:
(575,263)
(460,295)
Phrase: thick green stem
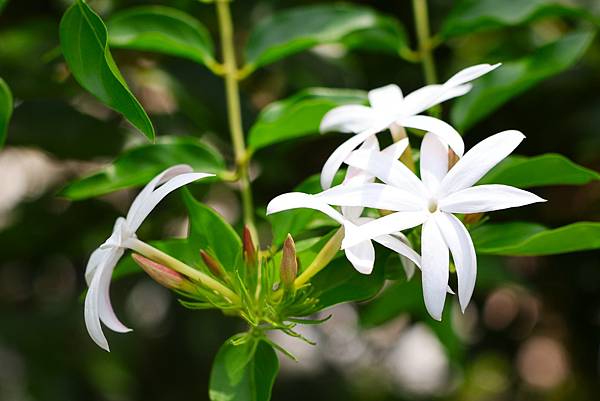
(424,38)
(230,73)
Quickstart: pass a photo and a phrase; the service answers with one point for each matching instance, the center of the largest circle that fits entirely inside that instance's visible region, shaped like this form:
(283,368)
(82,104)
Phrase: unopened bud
(249,249)
(472,218)
(212,264)
(452,158)
(289,263)
(163,275)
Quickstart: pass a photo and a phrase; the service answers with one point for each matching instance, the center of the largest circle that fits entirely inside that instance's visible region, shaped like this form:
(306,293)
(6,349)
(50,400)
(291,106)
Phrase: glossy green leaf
(83,40)
(6,109)
(548,169)
(139,165)
(299,115)
(529,239)
(512,78)
(244,372)
(209,231)
(3,4)
(470,16)
(294,30)
(163,30)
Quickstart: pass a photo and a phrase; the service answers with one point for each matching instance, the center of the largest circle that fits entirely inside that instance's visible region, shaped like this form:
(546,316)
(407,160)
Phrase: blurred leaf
(294,30)
(244,372)
(83,41)
(210,232)
(162,30)
(299,115)
(470,16)
(548,169)
(6,109)
(496,88)
(139,165)
(530,239)
(3,4)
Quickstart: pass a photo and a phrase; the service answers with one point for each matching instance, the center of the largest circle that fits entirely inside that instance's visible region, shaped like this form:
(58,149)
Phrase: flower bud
(452,158)
(472,218)
(213,265)
(249,248)
(163,275)
(289,262)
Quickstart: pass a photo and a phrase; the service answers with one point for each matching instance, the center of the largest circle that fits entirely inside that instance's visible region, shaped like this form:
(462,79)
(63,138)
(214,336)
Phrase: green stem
(325,255)
(424,38)
(230,73)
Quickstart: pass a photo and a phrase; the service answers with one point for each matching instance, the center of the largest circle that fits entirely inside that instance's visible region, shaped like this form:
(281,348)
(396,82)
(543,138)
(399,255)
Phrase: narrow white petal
(389,170)
(92,315)
(387,98)
(96,259)
(396,149)
(349,118)
(487,198)
(434,161)
(389,224)
(135,221)
(299,200)
(442,129)
(335,161)
(421,99)
(435,262)
(378,196)
(453,92)
(463,252)
(470,74)
(106,312)
(479,160)
(362,256)
(400,244)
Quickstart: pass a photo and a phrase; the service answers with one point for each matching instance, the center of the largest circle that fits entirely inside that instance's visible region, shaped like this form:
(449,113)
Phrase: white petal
(378,196)
(442,129)
(487,198)
(400,244)
(396,149)
(469,74)
(106,312)
(335,161)
(362,257)
(349,118)
(435,262)
(389,224)
(389,170)
(387,98)
(463,252)
(299,200)
(453,92)
(434,161)
(479,160)
(137,218)
(97,258)
(92,315)
(421,99)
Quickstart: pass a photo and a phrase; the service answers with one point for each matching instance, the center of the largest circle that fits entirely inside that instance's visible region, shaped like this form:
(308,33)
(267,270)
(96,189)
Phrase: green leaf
(163,30)
(548,169)
(294,30)
(6,109)
(209,231)
(470,16)
(139,165)
(83,40)
(244,372)
(529,239)
(3,4)
(299,115)
(496,88)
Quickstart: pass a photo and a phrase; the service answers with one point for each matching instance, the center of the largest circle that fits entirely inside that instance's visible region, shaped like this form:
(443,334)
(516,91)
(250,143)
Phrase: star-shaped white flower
(389,108)
(432,201)
(103,260)
(362,254)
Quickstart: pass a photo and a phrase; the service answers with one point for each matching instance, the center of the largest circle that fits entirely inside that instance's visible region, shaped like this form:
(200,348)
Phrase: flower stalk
(325,255)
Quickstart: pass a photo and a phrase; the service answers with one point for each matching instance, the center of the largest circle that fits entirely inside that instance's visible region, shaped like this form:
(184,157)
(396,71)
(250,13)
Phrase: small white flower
(103,260)
(362,254)
(389,108)
(431,201)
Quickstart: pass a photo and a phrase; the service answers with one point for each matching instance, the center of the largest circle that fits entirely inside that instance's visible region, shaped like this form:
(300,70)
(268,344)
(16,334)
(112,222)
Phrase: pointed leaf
(6,109)
(244,372)
(83,40)
(299,115)
(163,30)
(294,30)
(496,88)
(139,165)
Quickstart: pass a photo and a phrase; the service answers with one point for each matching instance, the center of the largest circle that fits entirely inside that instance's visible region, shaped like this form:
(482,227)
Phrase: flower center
(433,205)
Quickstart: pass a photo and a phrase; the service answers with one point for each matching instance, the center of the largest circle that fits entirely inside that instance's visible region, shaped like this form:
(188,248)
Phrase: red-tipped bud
(249,248)
(289,262)
(163,275)
(213,265)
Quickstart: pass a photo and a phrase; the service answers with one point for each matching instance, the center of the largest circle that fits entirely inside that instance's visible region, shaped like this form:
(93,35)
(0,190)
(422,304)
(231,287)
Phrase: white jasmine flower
(103,260)
(389,108)
(362,254)
(432,201)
